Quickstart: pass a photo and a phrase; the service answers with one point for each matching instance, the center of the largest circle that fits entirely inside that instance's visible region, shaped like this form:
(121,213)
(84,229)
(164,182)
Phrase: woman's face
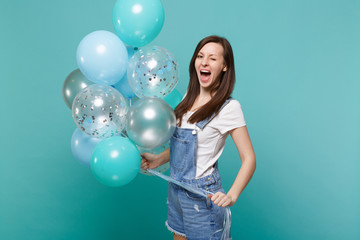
(209,63)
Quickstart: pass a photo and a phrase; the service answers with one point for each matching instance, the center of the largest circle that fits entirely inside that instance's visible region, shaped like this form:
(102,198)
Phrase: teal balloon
(115,161)
(173,98)
(72,86)
(138,22)
(102,57)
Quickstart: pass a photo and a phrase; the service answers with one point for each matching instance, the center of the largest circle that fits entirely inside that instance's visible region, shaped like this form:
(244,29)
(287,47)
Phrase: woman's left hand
(221,199)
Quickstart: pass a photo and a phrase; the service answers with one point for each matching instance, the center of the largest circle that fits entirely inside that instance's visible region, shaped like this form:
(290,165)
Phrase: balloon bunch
(123,94)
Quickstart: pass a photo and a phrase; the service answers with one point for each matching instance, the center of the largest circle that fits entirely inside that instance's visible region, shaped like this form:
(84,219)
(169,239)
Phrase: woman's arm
(248,165)
(149,160)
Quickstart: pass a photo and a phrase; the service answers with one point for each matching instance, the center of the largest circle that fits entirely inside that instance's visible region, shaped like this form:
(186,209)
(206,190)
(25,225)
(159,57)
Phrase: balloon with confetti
(152,72)
(100,111)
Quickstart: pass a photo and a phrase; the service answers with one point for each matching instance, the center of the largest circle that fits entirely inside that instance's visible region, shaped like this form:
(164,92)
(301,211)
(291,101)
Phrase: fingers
(144,161)
(149,160)
(144,164)
(220,199)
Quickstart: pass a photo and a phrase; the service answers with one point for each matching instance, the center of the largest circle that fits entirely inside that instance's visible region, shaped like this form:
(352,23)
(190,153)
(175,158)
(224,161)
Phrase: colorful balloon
(152,72)
(150,122)
(72,85)
(102,57)
(123,85)
(158,150)
(115,161)
(82,146)
(138,22)
(100,111)
(173,98)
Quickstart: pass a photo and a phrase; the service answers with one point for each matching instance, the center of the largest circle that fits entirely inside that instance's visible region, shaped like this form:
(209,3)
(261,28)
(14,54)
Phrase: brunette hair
(220,90)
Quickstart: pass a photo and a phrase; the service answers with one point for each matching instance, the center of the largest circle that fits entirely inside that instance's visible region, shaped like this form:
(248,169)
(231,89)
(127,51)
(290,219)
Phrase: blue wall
(298,80)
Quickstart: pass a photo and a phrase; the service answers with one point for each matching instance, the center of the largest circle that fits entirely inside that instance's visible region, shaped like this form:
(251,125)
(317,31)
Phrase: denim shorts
(195,216)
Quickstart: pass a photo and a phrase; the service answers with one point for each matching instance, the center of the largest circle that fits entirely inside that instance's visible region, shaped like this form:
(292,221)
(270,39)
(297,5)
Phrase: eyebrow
(211,54)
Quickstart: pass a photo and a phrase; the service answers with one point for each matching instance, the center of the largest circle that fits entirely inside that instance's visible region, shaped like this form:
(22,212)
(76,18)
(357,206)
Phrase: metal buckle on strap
(196,130)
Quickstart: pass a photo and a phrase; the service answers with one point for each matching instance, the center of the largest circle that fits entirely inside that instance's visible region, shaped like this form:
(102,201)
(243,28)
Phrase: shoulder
(232,107)
(233,103)
(232,110)
(230,117)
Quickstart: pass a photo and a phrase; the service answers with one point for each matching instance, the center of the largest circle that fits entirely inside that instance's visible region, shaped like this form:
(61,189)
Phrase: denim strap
(204,122)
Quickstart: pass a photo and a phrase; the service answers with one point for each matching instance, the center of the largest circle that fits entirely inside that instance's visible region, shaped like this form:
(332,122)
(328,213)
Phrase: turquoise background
(298,80)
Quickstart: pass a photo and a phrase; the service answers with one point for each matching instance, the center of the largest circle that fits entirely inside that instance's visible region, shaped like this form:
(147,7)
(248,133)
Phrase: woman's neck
(204,92)
(203,97)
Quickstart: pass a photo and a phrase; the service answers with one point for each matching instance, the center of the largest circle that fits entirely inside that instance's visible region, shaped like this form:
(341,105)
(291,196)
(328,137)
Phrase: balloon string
(227,219)
(123,134)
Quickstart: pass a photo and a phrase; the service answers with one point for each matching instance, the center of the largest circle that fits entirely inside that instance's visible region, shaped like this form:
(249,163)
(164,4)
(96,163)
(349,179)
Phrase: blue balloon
(115,161)
(123,85)
(138,22)
(82,146)
(102,57)
(173,98)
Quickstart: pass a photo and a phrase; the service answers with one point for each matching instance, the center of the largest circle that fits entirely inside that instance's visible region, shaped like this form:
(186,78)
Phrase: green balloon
(173,98)
(115,161)
(72,85)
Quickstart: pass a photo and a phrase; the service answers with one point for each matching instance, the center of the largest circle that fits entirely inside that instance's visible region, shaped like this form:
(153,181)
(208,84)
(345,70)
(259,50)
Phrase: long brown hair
(220,90)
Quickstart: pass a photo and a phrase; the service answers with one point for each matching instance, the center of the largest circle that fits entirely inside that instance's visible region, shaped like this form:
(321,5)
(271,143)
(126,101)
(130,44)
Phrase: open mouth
(205,75)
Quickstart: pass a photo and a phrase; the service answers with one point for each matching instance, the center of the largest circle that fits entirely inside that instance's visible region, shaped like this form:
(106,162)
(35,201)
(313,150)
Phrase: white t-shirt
(211,140)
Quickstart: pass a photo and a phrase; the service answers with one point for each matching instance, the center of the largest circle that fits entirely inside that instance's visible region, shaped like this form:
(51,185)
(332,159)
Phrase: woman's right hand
(149,160)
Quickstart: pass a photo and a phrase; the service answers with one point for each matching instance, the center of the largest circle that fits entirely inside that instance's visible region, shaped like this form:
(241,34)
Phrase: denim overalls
(189,214)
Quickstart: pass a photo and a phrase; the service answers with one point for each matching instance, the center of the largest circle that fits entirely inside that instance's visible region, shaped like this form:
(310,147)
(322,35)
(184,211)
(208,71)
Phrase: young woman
(205,117)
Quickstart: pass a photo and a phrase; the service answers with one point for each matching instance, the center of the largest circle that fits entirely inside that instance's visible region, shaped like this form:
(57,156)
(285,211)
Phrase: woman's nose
(204,62)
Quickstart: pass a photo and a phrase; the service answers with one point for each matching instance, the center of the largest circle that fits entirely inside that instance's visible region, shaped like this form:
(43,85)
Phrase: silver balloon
(100,111)
(72,86)
(158,150)
(150,122)
(152,72)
